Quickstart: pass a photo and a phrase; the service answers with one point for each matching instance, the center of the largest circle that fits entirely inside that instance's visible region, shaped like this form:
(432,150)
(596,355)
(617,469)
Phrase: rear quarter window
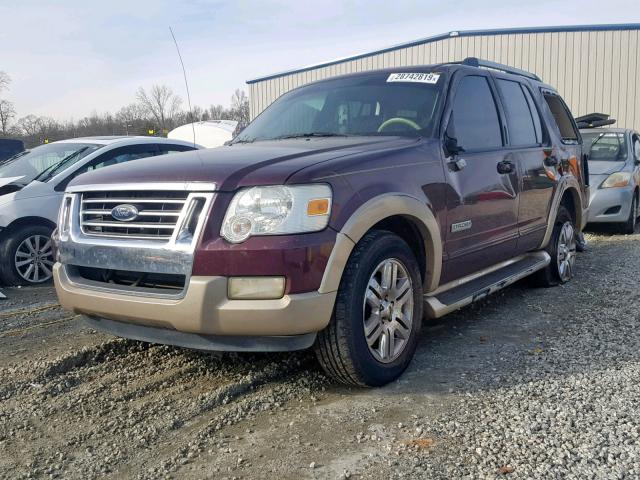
(562,116)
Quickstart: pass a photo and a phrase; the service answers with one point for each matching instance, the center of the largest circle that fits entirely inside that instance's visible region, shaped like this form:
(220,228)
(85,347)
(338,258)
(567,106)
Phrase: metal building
(596,68)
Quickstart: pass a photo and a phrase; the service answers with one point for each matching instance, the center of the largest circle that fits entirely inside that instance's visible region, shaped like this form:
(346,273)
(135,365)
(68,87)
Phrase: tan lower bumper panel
(219,343)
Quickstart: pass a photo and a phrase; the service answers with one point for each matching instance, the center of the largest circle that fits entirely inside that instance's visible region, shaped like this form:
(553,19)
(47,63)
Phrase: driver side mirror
(451,147)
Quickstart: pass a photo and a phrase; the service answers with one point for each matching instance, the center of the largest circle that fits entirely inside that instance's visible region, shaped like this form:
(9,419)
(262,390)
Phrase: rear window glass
(563,118)
(522,130)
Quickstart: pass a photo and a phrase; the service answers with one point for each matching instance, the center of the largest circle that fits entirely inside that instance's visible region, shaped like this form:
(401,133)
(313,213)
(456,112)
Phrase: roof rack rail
(477,62)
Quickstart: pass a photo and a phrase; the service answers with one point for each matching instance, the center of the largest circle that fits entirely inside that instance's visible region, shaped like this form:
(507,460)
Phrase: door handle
(505,166)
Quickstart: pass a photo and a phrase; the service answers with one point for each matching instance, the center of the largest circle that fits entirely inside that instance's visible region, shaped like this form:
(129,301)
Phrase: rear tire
(629,227)
(26,256)
(374,329)
(562,250)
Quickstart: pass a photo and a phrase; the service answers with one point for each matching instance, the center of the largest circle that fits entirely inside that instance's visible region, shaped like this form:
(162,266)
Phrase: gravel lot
(530,383)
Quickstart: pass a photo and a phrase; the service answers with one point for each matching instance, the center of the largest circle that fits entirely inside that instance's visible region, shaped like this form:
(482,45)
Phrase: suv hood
(230,167)
(605,168)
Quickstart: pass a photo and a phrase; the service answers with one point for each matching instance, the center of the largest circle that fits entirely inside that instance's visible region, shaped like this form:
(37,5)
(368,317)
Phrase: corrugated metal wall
(595,71)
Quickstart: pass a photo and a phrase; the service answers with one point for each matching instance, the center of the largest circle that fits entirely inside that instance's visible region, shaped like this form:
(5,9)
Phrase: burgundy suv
(347,211)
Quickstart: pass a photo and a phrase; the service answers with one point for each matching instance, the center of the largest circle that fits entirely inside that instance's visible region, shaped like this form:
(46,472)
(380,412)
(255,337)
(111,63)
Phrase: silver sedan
(614,172)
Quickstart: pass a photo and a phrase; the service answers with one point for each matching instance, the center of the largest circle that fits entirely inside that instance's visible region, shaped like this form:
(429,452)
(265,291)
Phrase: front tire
(629,227)
(562,250)
(26,256)
(374,329)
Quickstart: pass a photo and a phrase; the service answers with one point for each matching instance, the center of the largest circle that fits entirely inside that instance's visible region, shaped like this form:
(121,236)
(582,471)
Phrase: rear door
(527,140)
(482,193)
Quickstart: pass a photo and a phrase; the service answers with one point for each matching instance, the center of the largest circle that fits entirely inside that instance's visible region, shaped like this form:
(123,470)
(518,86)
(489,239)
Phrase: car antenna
(186,84)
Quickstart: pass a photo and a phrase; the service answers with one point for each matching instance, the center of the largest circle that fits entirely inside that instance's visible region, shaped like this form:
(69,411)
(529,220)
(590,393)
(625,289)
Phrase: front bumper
(204,309)
(603,203)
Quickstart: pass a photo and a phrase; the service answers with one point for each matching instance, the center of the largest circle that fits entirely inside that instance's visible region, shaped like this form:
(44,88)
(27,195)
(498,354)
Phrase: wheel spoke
(372,299)
(22,263)
(29,244)
(28,274)
(401,290)
(403,332)
(46,248)
(392,342)
(374,333)
(387,276)
(22,254)
(384,345)
(45,270)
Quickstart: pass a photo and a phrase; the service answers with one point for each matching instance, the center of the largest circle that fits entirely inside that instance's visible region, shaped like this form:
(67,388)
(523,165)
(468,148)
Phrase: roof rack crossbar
(477,62)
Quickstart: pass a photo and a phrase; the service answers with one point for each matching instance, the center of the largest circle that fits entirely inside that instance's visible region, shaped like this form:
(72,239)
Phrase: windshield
(44,162)
(606,146)
(400,103)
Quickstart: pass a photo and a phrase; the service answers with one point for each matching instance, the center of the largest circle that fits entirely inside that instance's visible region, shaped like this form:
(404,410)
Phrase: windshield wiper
(49,172)
(244,140)
(310,134)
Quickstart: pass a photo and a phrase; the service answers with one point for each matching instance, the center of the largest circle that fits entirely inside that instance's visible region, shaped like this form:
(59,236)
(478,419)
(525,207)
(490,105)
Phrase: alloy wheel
(388,310)
(34,259)
(566,256)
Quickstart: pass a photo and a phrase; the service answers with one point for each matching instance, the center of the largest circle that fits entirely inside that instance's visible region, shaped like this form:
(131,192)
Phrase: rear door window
(164,148)
(123,155)
(474,120)
(520,118)
(562,116)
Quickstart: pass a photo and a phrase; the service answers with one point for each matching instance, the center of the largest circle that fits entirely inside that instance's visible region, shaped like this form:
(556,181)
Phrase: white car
(32,185)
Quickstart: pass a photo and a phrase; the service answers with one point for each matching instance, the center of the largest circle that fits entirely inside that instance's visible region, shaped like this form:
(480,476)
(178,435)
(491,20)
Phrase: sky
(68,58)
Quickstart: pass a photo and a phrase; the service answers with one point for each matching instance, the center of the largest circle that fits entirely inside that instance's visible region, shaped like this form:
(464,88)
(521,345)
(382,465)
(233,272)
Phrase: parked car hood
(605,168)
(233,166)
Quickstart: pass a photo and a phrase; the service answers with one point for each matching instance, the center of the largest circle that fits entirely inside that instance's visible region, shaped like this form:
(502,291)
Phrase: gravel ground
(530,383)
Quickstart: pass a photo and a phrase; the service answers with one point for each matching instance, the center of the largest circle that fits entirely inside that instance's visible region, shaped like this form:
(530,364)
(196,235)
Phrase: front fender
(369,214)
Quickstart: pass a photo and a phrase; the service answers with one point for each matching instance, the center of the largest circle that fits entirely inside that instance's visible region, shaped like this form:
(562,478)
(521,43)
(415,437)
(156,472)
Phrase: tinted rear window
(522,130)
(563,118)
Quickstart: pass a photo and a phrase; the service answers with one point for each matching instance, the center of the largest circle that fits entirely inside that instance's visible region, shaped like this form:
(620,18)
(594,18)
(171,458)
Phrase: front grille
(158,213)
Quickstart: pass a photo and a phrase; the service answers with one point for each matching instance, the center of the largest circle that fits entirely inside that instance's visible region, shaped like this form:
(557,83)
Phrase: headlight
(277,210)
(618,179)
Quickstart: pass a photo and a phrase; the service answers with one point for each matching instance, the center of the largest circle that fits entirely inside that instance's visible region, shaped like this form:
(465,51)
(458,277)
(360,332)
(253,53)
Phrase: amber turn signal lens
(319,206)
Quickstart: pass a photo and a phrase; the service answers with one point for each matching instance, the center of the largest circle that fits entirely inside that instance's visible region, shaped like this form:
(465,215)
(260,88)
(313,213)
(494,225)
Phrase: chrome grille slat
(145,213)
(130,225)
(158,213)
(134,199)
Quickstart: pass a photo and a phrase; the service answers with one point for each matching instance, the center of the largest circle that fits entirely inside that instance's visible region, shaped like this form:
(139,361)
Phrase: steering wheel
(398,120)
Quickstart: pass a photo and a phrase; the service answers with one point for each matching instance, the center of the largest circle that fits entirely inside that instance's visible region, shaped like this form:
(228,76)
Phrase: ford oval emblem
(125,213)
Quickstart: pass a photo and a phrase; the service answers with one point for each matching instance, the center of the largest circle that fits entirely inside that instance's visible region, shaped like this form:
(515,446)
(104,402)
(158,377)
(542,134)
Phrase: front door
(482,193)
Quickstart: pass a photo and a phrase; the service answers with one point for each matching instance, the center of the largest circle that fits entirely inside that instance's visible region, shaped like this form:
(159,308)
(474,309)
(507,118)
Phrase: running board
(462,294)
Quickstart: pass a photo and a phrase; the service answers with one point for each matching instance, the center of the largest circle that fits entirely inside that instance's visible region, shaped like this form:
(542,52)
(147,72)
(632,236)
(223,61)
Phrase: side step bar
(462,293)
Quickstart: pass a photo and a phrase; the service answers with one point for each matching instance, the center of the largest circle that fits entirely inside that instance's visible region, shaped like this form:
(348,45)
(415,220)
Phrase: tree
(7,113)
(217,112)
(5,80)
(30,125)
(132,117)
(160,103)
(240,108)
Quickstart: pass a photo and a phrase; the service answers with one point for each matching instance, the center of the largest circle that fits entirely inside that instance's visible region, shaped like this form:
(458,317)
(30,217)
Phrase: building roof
(455,33)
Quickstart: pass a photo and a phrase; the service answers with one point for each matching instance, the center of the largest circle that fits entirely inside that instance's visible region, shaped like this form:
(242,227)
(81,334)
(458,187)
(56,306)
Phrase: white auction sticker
(431,78)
